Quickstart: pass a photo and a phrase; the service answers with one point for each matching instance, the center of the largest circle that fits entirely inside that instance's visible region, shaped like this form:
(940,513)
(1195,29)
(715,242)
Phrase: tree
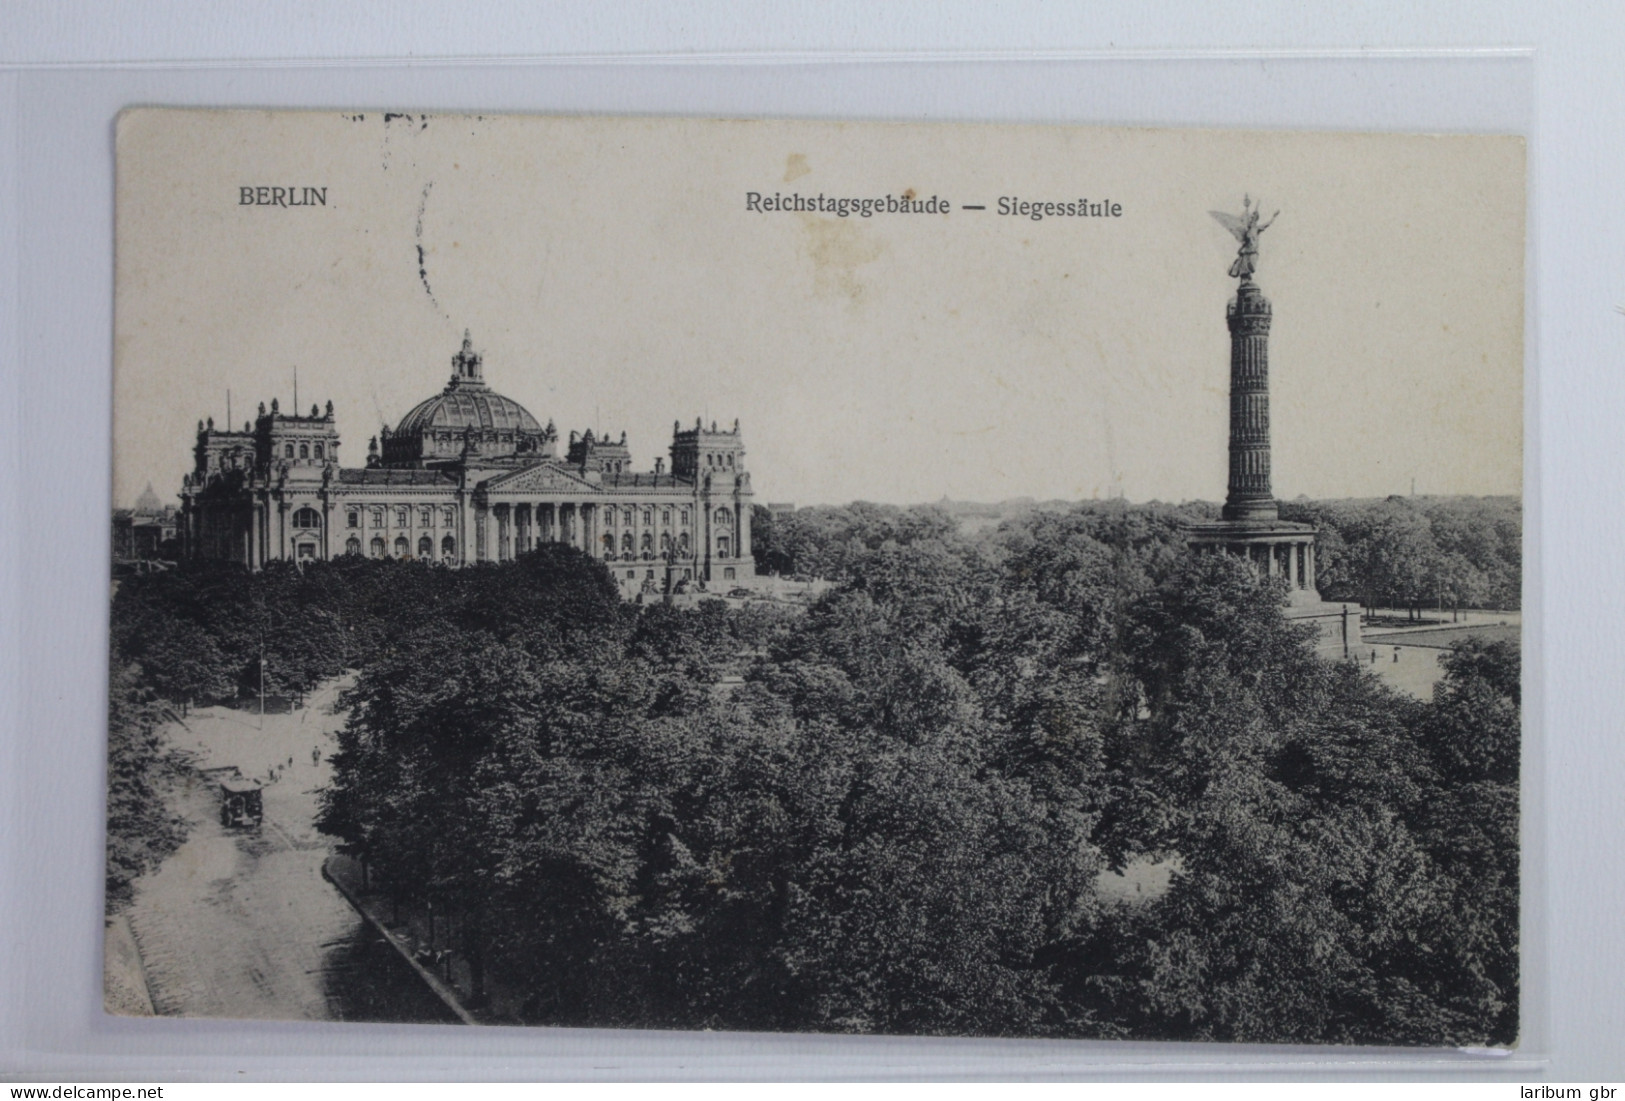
(830,542)
(1392,554)
(1416,551)
(766,543)
(1328,885)
(896,822)
(141,768)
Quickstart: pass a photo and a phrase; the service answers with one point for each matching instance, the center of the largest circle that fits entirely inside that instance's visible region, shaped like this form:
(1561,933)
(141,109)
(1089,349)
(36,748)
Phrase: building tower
(1250,497)
(1251,527)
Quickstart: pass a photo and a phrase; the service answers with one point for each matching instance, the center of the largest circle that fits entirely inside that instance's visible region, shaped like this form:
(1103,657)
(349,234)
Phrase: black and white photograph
(913,579)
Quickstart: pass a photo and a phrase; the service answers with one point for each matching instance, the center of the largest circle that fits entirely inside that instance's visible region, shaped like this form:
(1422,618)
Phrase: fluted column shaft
(1250,496)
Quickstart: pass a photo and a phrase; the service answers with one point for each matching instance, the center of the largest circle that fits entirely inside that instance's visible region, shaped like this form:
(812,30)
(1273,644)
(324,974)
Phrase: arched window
(648,545)
(307,517)
(723,547)
(304,451)
(352,545)
(378,546)
(400,516)
(401,546)
(377,517)
(353,518)
(730,461)
(318,451)
(682,544)
(425,547)
(627,545)
(724,518)
(665,542)
(448,548)
(425,516)
(287,451)
(609,546)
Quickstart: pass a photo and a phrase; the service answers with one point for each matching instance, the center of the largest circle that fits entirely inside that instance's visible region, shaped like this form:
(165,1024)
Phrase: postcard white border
(53,541)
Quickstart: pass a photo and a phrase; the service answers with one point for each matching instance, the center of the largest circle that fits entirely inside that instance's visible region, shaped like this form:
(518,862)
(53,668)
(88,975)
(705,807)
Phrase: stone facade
(470,476)
(147,531)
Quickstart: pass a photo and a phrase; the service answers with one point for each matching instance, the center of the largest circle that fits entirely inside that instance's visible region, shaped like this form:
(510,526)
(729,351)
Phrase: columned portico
(504,546)
(256,536)
(1280,549)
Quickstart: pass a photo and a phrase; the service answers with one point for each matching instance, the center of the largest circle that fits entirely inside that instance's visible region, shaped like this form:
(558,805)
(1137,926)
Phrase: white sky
(612,277)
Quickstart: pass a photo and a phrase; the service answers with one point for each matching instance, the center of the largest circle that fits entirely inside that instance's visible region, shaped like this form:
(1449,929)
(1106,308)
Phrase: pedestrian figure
(1396,655)
(315,755)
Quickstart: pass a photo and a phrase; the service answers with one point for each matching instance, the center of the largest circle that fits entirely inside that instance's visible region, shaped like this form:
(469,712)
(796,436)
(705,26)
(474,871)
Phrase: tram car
(242,803)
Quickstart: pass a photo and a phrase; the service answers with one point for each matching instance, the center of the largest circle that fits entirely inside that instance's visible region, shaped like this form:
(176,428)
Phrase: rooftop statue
(1246,229)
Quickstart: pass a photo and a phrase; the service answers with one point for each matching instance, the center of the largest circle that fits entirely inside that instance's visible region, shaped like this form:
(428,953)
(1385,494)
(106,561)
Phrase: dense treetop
(893,813)
(1397,551)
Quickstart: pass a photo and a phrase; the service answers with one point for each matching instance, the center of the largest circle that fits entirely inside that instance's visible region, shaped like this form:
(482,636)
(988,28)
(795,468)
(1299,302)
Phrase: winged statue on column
(1246,228)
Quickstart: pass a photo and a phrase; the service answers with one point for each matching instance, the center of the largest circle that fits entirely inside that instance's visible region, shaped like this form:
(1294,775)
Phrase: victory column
(1251,527)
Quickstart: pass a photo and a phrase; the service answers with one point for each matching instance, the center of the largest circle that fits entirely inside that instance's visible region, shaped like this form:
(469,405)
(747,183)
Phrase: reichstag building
(470,476)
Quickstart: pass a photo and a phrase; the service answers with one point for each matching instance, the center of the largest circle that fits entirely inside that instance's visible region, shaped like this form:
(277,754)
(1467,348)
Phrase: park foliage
(1395,552)
(889,811)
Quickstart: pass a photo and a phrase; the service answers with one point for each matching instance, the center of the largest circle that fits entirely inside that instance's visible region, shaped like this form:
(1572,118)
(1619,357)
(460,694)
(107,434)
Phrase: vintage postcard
(867,578)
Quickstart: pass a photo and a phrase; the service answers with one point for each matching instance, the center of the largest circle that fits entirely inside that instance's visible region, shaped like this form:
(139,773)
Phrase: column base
(1337,626)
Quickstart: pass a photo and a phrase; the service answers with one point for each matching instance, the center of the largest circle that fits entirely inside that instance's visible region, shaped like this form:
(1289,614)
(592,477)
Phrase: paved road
(241,923)
(1417,649)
